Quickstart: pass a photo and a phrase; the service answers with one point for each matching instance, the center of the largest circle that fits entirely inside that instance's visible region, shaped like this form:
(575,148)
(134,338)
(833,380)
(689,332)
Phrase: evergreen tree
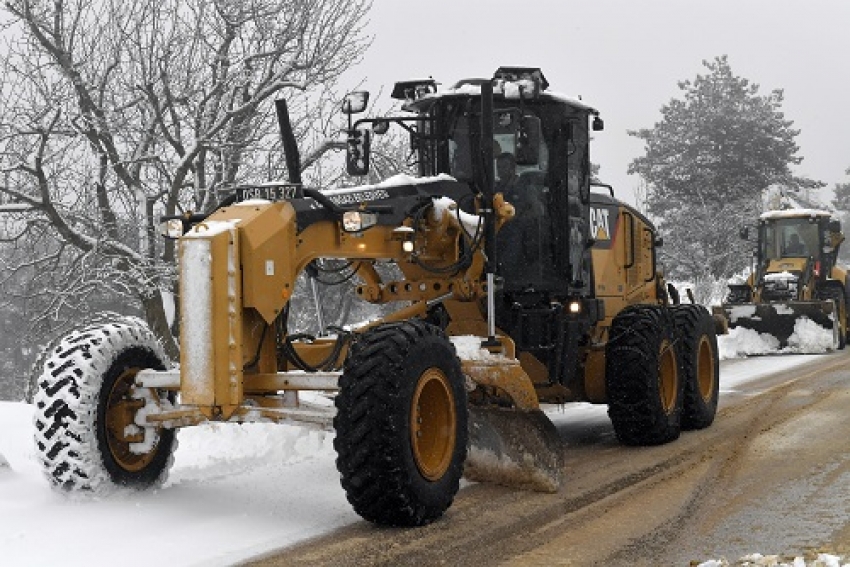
(707,163)
(841,202)
(842,195)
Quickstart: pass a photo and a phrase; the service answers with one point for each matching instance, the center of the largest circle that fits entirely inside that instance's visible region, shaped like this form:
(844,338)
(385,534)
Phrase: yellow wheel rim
(705,369)
(668,377)
(121,429)
(433,423)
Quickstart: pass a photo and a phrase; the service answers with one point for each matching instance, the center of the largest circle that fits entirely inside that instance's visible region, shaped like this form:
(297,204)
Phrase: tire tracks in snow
(619,505)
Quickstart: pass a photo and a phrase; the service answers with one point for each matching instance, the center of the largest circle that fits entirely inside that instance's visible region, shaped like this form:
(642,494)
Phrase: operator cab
(800,233)
(540,164)
(533,150)
(797,233)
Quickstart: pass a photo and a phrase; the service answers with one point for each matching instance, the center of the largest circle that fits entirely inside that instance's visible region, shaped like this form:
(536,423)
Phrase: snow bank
(759,560)
(235,492)
(741,342)
(808,337)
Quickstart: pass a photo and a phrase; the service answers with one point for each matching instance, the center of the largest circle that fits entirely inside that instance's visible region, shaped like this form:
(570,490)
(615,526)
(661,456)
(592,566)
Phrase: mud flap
(515,448)
(779,319)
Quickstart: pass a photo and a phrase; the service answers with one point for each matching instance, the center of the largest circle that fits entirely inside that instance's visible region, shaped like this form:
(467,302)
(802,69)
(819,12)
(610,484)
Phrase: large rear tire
(86,435)
(401,424)
(700,365)
(642,376)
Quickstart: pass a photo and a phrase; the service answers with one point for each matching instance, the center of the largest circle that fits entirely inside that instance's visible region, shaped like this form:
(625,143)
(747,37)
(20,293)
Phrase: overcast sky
(625,58)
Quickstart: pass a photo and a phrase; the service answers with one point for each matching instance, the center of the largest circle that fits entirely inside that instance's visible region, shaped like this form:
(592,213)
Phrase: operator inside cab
(520,241)
(795,247)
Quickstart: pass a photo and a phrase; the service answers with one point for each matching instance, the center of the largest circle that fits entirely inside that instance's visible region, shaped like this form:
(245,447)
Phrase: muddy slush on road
(771,476)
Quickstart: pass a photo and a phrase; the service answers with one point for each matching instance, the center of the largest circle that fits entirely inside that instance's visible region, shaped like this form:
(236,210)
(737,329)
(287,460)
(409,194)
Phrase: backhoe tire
(85,406)
(401,424)
(836,293)
(642,376)
(700,365)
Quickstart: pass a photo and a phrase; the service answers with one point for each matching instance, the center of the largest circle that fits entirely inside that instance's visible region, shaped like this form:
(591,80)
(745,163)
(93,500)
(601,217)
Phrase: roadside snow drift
(808,338)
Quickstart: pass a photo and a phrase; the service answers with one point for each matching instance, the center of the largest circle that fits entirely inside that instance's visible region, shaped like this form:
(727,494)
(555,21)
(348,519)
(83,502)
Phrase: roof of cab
(794,213)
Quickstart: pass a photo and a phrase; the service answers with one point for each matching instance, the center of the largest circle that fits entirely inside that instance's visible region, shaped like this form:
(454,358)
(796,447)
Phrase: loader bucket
(779,319)
(516,448)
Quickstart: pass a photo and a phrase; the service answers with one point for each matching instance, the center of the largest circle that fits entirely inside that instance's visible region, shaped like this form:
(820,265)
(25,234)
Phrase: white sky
(625,57)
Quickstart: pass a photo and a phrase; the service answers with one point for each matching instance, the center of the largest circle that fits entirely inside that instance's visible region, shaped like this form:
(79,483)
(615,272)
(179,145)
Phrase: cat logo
(600,228)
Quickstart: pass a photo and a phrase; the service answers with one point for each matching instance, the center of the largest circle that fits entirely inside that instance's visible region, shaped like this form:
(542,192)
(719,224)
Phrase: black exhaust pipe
(290,146)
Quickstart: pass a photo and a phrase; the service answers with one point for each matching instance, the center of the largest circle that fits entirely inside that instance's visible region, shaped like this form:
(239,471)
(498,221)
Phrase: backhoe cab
(795,276)
(519,287)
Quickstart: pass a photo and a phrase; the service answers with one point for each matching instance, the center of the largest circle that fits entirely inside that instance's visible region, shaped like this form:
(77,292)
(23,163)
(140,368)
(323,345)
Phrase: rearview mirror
(357,152)
(355,103)
(598,125)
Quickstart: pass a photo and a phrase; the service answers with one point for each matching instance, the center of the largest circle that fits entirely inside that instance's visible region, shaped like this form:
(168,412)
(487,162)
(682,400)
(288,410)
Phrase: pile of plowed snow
(808,337)
(759,560)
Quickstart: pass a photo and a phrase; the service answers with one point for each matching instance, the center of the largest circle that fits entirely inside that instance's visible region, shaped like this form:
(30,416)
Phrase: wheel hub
(668,377)
(705,369)
(432,424)
(121,429)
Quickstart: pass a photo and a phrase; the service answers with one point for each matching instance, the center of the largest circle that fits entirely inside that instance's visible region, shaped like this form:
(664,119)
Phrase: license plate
(267,192)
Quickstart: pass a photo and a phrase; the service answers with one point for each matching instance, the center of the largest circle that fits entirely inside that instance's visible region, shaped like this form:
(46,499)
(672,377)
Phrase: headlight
(172,228)
(356,221)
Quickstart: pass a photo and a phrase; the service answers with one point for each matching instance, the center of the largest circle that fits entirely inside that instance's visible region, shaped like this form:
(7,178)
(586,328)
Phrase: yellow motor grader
(527,290)
(795,277)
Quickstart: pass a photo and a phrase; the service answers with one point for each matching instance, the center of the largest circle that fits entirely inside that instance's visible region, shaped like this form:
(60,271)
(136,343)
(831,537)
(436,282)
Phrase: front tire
(86,403)
(642,376)
(700,365)
(401,424)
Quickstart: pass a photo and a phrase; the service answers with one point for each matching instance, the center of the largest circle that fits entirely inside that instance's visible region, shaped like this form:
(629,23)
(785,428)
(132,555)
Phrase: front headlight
(172,228)
(356,221)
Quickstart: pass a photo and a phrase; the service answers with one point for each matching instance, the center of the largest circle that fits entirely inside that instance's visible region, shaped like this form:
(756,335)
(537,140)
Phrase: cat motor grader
(506,308)
(795,277)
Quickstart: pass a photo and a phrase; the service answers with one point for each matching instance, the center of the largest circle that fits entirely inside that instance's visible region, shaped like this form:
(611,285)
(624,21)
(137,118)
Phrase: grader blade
(516,448)
(780,319)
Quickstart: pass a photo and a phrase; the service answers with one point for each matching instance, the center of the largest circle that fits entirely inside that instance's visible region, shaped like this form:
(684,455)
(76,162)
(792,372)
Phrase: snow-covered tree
(114,113)
(841,202)
(706,164)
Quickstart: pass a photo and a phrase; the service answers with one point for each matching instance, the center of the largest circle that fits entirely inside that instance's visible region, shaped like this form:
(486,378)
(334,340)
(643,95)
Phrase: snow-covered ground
(235,491)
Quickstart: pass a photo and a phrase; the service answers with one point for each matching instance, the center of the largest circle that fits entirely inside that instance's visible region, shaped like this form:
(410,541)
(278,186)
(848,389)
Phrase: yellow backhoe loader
(527,290)
(795,277)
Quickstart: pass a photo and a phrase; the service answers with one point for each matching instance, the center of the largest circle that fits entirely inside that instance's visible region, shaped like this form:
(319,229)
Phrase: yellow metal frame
(255,254)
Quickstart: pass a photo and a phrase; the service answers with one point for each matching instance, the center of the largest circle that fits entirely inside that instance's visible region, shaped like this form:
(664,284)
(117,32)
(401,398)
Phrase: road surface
(772,475)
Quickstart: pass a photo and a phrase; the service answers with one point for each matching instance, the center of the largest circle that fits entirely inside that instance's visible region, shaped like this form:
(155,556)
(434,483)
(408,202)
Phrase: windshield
(541,166)
(506,123)
(786,238)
